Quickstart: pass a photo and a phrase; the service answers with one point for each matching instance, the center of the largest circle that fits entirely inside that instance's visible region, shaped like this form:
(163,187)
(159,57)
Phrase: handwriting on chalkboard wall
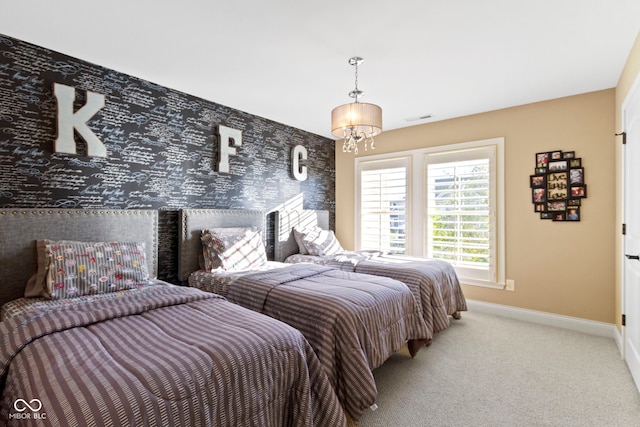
(162,146)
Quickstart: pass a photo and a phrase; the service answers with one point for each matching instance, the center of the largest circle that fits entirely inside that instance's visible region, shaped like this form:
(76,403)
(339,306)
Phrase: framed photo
(559,216)
(537,181)
(546,215)
(539,195)
(568,154)
(578,191)
(573,213)
(541,171)
(576,176)
(542,159)
(558,165)
(557,186)
(575,163)
(539,207)
(557,206)
(556,155)
(573,203)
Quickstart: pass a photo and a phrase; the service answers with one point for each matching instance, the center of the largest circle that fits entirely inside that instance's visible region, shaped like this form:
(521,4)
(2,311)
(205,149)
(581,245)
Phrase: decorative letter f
(68,121)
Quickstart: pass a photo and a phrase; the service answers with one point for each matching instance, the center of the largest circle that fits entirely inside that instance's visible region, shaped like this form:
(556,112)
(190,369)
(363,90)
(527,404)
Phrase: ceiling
(287,60)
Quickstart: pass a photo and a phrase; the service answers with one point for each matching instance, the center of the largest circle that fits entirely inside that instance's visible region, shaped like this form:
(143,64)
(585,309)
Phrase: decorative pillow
(209,259)
(89,268)
(322,242)
(299,235)
(232,248)
(38,281)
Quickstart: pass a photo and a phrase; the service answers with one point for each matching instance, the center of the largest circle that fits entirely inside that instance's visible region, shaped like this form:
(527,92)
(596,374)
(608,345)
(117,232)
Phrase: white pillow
(232,248)
(322,242)
(299,235)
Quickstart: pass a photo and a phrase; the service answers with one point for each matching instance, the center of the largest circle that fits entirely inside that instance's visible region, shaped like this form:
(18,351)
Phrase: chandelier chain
(356,91)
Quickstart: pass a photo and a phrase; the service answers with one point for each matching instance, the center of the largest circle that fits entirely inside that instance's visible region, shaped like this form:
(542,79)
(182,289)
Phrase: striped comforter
(433,282)
(354,322)
(174,357)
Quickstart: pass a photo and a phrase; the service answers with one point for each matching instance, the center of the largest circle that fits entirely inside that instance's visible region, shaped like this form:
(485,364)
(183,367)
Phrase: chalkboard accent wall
(162,148)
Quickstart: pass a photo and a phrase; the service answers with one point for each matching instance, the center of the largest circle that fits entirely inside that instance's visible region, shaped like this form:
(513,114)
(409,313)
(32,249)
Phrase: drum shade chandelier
(358,121)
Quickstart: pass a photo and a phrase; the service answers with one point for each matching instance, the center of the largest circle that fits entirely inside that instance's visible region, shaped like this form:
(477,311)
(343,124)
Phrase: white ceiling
(287,60)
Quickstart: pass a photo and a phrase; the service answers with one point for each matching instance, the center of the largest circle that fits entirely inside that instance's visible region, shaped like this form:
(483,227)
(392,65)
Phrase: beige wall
(629,75)
(562,268)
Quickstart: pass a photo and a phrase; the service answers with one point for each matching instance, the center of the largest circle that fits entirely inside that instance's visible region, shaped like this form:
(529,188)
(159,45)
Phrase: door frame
(633,90)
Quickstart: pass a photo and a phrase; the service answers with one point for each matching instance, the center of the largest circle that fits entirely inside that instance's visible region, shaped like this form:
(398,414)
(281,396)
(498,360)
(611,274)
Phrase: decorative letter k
(68,121)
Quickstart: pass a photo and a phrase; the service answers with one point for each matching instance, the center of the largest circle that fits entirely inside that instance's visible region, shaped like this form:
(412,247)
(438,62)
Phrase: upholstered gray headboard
(193,221)
(285,244)
(20,228)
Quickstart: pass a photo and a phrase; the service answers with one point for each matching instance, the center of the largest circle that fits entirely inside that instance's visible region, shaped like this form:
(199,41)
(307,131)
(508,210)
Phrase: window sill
(481,283)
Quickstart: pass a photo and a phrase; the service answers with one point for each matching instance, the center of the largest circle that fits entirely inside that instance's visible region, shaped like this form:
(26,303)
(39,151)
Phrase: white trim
(619,341)
(481,283)
(623,209)
(592,327)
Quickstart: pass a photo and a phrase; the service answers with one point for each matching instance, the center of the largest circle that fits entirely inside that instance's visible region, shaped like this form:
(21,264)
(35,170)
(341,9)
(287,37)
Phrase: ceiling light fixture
(357,121)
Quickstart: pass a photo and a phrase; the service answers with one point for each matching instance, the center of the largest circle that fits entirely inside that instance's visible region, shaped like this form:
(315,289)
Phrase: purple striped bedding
(174,357)
(20,306)
(354,322)
(433,282)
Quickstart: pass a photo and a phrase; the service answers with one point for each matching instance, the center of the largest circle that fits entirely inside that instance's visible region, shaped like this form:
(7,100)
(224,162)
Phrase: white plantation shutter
(460,216)
(383,205)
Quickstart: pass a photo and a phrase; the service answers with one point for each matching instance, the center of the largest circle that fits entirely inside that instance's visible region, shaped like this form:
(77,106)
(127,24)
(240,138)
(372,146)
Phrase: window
(451,204)
(460,210)
(383,205)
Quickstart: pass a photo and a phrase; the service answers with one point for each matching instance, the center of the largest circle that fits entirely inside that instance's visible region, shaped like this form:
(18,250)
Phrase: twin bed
(434,283)
(354,322)
(136,351)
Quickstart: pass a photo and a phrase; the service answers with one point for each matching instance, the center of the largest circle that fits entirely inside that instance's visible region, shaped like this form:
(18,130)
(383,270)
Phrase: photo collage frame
(558,186)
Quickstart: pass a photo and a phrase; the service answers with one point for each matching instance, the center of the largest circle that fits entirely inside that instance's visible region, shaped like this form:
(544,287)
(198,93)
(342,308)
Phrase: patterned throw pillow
(89,268)
(232,248)
(322,242)
(299,235)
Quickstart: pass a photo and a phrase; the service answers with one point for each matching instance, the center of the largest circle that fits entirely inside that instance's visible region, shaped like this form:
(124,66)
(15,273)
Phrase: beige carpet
(487,370)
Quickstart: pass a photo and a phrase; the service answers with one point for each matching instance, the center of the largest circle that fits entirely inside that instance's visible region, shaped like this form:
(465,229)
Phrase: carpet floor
(487,370)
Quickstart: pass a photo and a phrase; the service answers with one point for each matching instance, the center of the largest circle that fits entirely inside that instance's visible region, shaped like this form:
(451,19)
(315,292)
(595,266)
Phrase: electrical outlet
(510,285)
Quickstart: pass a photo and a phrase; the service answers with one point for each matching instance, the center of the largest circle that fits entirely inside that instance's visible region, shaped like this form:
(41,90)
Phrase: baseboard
(602,329)
(620,343)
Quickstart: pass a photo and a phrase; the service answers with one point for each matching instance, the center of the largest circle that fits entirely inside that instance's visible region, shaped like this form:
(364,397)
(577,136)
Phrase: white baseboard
(602,329)
(620,343)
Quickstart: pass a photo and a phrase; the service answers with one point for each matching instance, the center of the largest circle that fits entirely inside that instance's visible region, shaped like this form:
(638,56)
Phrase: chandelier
(358,121)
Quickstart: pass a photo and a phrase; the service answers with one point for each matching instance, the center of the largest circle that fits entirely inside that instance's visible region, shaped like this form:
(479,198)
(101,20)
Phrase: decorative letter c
(298,153)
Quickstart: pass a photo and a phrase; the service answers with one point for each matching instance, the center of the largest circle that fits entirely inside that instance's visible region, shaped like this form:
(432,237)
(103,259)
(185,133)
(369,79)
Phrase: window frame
(376,164)
(417,203)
